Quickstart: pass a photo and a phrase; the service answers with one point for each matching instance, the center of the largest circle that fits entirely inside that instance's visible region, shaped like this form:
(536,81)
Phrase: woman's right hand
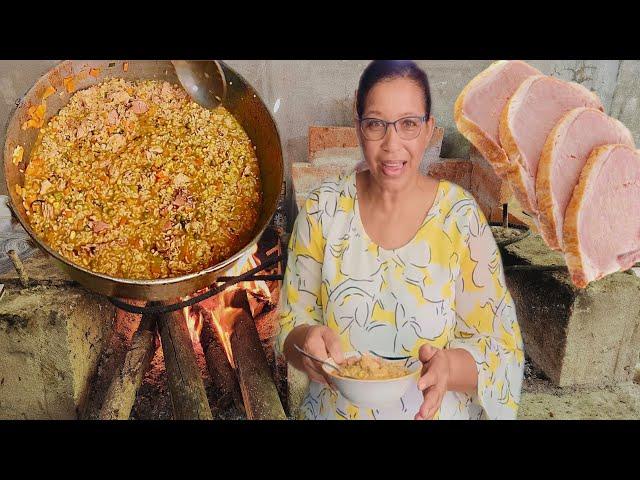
(322,342)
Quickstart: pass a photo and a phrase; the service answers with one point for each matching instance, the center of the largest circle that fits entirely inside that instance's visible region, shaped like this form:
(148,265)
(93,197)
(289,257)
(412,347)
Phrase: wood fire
(214,354)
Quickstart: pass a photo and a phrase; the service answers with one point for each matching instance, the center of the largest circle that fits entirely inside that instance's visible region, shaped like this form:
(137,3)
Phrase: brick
(576,337)
(322,138)
(488,189)
(455,170)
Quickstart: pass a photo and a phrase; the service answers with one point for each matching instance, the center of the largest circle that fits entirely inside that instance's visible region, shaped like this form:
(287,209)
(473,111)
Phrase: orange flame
(194,323)
(216,306)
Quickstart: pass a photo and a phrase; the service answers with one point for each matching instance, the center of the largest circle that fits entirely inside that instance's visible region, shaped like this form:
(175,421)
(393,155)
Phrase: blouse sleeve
(300,298)
(486,324)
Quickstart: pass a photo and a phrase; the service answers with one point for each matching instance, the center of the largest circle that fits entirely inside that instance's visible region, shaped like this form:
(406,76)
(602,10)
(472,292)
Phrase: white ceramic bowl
(374,393)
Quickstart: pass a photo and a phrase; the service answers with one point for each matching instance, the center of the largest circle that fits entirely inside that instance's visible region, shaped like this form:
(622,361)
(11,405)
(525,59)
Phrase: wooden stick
(121,394)
(188,396)
(19,266)
(505,215)
(261,400)
(222,373)
(535,268)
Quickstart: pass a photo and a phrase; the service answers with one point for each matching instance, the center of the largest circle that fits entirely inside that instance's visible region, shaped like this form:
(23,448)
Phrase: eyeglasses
(407,128)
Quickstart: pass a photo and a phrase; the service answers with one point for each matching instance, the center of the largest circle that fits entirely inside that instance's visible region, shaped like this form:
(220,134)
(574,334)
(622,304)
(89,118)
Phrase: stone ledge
(576,337)
(51,338)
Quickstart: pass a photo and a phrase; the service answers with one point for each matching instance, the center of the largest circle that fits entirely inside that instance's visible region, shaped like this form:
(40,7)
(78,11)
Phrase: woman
(390,261)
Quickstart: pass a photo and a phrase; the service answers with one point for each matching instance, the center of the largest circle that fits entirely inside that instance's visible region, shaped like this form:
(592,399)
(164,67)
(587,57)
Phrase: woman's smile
(393,168)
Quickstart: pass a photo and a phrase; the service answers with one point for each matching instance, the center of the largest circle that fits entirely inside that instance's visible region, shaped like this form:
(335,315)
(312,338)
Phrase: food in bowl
(375,392)
(368,367)
(135,180)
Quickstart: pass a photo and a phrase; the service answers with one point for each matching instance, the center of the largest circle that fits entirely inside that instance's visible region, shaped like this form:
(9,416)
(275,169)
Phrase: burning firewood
(259,393)
(188,394)
(222,374)
(121,395)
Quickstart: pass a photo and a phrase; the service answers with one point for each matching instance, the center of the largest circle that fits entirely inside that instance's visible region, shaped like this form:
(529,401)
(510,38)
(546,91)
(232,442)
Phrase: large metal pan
(241,100)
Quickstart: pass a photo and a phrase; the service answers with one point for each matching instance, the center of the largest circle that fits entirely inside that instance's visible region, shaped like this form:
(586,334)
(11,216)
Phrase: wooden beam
(259,393)
(222,373)
(121,394)
(112,358)
(188,396)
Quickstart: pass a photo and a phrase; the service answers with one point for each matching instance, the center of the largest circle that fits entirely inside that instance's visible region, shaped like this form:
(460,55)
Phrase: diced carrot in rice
(68,84)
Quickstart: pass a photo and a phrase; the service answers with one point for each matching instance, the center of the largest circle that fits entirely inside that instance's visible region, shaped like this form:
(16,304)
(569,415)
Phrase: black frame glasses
(401,133)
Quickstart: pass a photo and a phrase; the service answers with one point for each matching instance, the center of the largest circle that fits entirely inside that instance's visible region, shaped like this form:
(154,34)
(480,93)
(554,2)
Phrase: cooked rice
(135,180)
(367,367)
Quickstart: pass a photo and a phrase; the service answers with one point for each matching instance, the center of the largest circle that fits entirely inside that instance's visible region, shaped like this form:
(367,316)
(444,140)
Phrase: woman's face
(393,161)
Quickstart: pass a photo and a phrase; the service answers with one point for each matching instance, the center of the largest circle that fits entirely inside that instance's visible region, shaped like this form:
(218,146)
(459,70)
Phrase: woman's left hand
(434,380)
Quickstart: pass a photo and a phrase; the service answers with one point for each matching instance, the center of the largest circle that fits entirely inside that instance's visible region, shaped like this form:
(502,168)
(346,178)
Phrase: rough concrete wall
(626,99)
(321,92)
(301,93)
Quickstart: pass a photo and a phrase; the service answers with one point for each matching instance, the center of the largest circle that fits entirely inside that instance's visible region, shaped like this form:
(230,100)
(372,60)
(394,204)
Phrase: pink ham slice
(478,108)
(527,119)
(602,225)
(563,156)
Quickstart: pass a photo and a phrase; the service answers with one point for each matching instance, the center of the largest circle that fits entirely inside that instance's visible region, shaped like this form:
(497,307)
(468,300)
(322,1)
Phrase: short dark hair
(381,70)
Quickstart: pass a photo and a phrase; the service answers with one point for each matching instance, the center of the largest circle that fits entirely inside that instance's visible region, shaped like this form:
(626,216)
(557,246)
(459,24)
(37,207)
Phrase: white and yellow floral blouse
(445,287)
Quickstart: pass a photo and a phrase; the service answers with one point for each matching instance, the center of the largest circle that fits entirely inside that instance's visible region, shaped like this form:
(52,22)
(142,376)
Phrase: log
(259,393)
(112,357)
(222,373)
(188,395)
(121,394)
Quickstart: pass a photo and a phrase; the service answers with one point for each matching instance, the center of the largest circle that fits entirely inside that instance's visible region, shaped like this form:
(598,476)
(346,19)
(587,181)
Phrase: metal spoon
(315,358)
(203,80)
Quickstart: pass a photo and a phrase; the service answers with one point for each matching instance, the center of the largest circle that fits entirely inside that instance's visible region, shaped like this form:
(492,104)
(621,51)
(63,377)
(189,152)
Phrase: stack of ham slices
(573,168)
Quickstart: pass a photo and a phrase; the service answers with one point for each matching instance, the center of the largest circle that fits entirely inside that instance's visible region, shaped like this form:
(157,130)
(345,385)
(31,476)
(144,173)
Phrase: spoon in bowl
(312,357)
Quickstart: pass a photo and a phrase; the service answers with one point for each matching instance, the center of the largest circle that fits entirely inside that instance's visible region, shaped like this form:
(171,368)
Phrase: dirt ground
(541,400)
(153,401)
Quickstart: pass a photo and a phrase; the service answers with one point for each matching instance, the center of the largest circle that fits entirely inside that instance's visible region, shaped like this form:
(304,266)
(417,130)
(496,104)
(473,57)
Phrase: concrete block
(51,337)
(50,342)
(343,158)
(307,176)
(576,337)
